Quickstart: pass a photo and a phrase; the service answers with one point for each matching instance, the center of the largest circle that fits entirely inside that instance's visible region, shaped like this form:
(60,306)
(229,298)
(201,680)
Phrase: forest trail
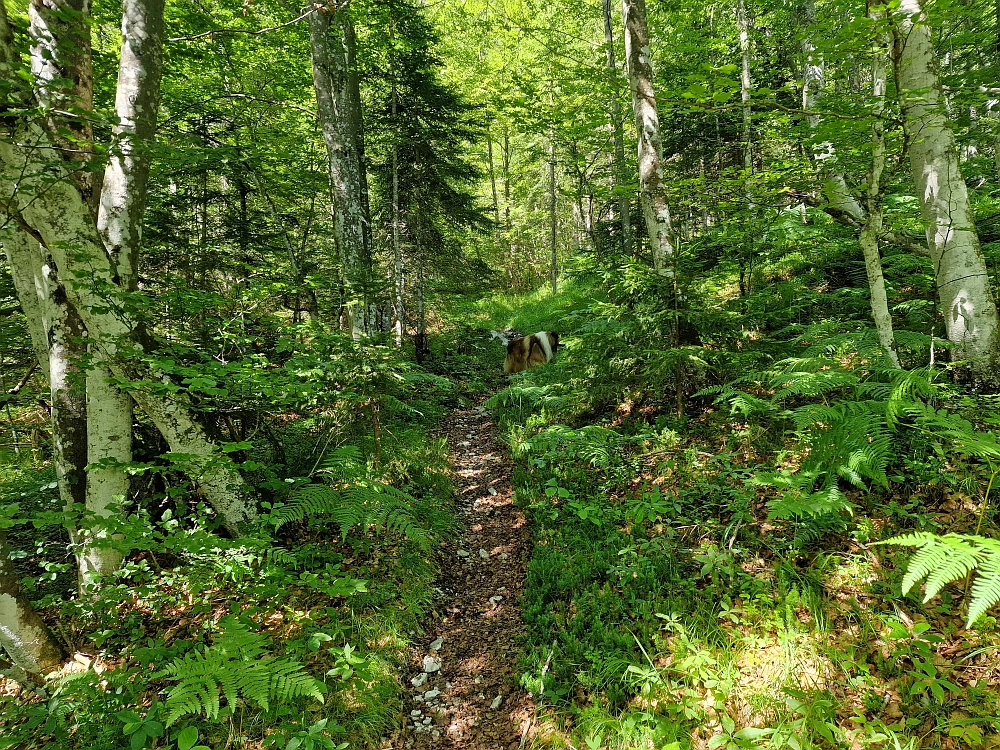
(472,701)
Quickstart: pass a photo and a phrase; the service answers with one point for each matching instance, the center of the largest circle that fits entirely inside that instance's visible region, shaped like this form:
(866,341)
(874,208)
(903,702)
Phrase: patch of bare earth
(463,683)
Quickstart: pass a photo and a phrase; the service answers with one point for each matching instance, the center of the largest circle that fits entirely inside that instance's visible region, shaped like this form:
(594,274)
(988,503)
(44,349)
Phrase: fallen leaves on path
(463,687)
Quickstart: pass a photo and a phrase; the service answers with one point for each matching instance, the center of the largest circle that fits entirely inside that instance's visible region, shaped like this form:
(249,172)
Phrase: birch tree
(119,222)
(618,184)
(29,643)
(338,104)
(39,195)
(964,296)
(872,226)
(652,190)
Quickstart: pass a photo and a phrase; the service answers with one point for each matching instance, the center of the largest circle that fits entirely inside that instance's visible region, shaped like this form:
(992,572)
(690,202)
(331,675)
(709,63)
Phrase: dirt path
(472,700)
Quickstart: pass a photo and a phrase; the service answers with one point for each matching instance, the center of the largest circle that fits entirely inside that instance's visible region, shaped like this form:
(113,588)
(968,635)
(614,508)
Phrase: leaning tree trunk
(652,190)
(338,104)
(620,172)
(964,295)
(23,635)
(36,193)
(119,221)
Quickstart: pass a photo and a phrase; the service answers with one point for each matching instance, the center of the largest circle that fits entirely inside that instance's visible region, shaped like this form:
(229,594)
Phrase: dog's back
(528,351)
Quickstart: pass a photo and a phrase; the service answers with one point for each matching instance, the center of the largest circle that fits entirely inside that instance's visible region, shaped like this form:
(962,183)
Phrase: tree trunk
(964,295)
(872,227)
(64,81)
(61,67)
(743,27)
(652,190)
(493,177)
(338,104)
(119,222)
(46,204)
(397,250)
(620,170)
(552,205)
(23,635)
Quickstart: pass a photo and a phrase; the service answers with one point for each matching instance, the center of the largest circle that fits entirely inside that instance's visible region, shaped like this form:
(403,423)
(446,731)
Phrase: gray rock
(483,553)
(416,712)
(419,680)
(463,553)
(496,703)
(432,694)
(432,663)
(436,644)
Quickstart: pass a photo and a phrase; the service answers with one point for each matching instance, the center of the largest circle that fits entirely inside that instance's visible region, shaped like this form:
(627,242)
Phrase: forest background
(254,253)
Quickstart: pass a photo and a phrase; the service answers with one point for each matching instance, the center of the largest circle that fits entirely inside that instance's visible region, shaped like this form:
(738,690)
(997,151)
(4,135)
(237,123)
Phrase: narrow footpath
(463,683)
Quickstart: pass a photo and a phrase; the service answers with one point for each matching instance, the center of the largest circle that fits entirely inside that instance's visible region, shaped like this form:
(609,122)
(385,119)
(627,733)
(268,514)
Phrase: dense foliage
(761,517)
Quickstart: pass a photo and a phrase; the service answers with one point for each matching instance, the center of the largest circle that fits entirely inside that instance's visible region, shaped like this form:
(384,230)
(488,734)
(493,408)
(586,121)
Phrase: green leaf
(186,738)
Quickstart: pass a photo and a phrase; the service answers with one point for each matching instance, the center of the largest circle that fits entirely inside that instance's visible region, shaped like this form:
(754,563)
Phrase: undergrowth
(720,512)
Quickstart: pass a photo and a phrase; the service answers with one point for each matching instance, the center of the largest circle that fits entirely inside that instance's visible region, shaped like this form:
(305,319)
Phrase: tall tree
(964,295)
(652,189)
(619,179)
(338,104)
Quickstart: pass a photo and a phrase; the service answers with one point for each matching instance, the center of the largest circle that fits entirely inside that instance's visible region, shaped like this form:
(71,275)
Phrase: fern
(354,502)
(942,559)
(236,666)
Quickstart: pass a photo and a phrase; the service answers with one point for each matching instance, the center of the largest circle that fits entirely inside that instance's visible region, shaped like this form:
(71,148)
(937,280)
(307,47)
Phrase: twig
(23,381)
(251,32)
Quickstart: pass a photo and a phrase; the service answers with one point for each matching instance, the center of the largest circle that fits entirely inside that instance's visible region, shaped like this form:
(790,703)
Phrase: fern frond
(986,588)
(235,666)
(951,557)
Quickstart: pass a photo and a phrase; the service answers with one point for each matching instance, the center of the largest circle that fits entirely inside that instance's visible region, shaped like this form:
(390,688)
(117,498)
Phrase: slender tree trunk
(23,635)
(743,28)
(119,222)
(338,103)
(493,177)
(652,190)
(872,227)
(620,170)
(965,298)
(61,68)
(397,249)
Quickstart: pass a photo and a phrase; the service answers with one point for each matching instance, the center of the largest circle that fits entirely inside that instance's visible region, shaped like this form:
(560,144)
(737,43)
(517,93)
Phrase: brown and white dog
(528,351)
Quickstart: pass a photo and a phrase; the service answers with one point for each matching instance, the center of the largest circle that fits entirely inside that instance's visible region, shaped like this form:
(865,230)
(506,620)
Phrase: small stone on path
(419,680)
(483,553)
(432,664)
(496,703)
(436,644)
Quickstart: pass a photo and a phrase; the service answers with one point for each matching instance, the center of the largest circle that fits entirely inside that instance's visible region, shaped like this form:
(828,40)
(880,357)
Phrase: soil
(478,620)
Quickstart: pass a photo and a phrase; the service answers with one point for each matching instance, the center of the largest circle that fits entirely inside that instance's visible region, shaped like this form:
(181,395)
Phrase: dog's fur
(529,351)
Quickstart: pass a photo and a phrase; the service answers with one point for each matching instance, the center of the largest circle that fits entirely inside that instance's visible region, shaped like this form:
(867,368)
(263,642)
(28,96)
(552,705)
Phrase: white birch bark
(338,104)
(63,74)
(743,29)
(60,62)
(872,226)
(964,296)
(34,187)
(23,635)
(397,248)
(652,190)
(119,222)
(619,175)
